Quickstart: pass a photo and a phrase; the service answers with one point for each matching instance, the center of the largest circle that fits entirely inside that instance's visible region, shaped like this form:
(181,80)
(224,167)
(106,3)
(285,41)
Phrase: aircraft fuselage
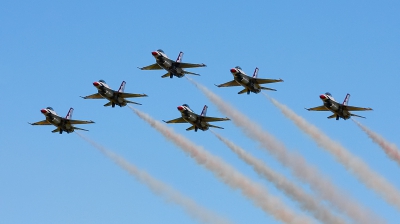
(337,109)
(112,96)
(247,83)
(59,122)
(170,66)
(194,120)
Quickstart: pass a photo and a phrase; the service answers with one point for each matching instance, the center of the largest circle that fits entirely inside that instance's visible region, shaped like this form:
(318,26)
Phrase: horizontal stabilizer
(190,73)
(133,102)
(265,88)
(243,91)
(166,75)
(191,128)
(355,115)
(108,104)
(80,129)
(56,130)
(213,126)
(332,116)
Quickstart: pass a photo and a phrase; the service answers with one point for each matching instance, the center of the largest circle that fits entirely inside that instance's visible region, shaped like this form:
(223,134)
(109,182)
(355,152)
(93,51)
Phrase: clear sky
(51,53)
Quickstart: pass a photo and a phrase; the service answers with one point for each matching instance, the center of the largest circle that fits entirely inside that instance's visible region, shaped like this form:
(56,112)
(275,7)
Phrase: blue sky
(51,53)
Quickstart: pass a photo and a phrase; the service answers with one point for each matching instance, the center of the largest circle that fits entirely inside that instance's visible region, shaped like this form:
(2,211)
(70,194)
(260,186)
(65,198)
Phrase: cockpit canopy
(328,94)
(238,67)
(50,108)
(185,105)
(160,50)
(101,80)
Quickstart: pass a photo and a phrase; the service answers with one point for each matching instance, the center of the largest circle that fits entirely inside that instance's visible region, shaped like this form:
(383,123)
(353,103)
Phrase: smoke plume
(307,202)
(389,148)
(226,173)
(352,163)
(307,173)
(196,211)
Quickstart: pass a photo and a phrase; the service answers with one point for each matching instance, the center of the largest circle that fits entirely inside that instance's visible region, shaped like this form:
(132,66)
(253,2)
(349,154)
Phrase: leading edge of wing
(351,108)
(320,108)
(189,65)
(263,81)
(230,83)
(151,67)
(80,122)
(44,122)
(177,120)
(212,119)
(93,96)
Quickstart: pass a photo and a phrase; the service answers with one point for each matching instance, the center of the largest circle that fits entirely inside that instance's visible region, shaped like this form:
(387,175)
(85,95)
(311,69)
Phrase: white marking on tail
(179,59)
(122,87)
(203,113)
(255,73)
(69,114)
(346,99)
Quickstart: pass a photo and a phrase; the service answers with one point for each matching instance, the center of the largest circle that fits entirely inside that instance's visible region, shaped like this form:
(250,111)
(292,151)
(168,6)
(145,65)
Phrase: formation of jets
(176,68)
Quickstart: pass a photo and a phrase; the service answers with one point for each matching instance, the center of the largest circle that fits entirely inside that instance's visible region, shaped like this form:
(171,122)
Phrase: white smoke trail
(226,173)
(307,202)
(389,148)
(318,182)
(196,211)
(352,163)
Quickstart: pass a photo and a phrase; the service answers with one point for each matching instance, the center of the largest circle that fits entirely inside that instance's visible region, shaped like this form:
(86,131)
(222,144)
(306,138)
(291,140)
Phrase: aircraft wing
(128,95)
(79,122)
(262,81)
(350,108)
(93,96)
(320,108)
(177,120)
(152,67)
(230,83)
(188,65)
(212,119)
(44,122)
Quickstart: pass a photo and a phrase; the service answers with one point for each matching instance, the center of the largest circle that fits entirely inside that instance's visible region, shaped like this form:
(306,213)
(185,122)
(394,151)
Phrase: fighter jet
(62,124)
(174,68)
(115,97)
(197,121)
(339,110)
(250,84)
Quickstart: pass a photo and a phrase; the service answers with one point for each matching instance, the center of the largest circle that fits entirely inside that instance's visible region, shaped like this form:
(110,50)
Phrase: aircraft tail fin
(266,88)
(213,126)
(243,91)
(346,100)
(255,73)
(69,114)
(204,112)
(133,102)
(122,87)
(355,115)
(179,59)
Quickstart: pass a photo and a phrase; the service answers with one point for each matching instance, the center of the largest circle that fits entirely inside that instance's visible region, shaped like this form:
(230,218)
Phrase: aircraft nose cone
(233,70)
(96,84)
(43,111)
(154,53)
(180,108)
(322,97)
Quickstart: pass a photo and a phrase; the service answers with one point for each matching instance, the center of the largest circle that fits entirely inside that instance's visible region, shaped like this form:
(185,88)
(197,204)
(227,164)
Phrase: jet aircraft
(62,124)
(115,97)
(197,121)
(250,84)
(339,110)
(174,68)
